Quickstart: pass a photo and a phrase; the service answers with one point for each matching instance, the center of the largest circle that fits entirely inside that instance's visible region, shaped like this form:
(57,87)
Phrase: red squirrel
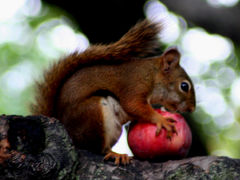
(93,93)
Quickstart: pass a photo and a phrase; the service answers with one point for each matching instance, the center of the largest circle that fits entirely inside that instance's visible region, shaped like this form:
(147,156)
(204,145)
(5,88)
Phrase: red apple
(145,144)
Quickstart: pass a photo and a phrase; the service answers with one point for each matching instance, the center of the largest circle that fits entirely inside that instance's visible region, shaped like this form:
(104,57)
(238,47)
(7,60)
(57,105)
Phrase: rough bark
(205,167)
(41,149)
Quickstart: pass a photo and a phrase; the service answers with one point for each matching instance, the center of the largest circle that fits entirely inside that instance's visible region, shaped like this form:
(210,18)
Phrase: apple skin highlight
(145,144)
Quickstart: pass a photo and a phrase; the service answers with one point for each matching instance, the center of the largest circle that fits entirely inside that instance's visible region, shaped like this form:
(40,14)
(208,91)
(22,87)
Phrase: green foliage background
(23,59)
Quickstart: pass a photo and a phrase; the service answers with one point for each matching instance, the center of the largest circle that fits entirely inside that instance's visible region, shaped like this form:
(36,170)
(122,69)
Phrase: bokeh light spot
(235,90)
(204,47)
(227,3)
(211,100)
(225,120)
(63,38)
(8,8)
(32,7)
(157,12)
(18,78)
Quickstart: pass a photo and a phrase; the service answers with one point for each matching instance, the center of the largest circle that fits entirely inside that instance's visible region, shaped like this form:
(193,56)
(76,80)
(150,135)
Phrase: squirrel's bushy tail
(139,41)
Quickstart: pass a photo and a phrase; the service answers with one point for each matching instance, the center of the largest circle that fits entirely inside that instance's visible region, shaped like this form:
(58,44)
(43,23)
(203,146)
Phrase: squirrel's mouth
(163,108)
(175,109)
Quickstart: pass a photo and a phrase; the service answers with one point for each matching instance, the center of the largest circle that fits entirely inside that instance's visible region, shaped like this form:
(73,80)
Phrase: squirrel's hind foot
(119,158)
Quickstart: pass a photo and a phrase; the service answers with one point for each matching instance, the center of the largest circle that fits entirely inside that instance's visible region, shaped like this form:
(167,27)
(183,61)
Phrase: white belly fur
(113,118)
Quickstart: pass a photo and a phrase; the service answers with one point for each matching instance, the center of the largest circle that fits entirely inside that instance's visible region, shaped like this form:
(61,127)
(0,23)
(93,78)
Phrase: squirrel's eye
(185,86)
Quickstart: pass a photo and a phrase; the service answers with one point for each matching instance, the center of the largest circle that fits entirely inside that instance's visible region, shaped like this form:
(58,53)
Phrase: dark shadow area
(103,21)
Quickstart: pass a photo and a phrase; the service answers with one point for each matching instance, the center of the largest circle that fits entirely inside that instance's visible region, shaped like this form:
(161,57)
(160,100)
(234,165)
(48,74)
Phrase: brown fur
(140,41)
(74,88)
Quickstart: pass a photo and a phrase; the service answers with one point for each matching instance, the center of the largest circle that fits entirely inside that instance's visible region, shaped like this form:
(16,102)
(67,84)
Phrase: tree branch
(40,148)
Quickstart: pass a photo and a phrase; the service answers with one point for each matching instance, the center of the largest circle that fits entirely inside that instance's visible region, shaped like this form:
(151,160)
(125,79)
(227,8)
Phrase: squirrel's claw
(119,158)
(168,124)
(159,128)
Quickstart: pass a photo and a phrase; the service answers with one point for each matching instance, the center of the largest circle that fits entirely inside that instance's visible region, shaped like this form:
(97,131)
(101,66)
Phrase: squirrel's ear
(170,59)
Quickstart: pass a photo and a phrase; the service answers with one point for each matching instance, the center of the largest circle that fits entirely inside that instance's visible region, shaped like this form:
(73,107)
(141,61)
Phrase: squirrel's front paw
(168,124)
